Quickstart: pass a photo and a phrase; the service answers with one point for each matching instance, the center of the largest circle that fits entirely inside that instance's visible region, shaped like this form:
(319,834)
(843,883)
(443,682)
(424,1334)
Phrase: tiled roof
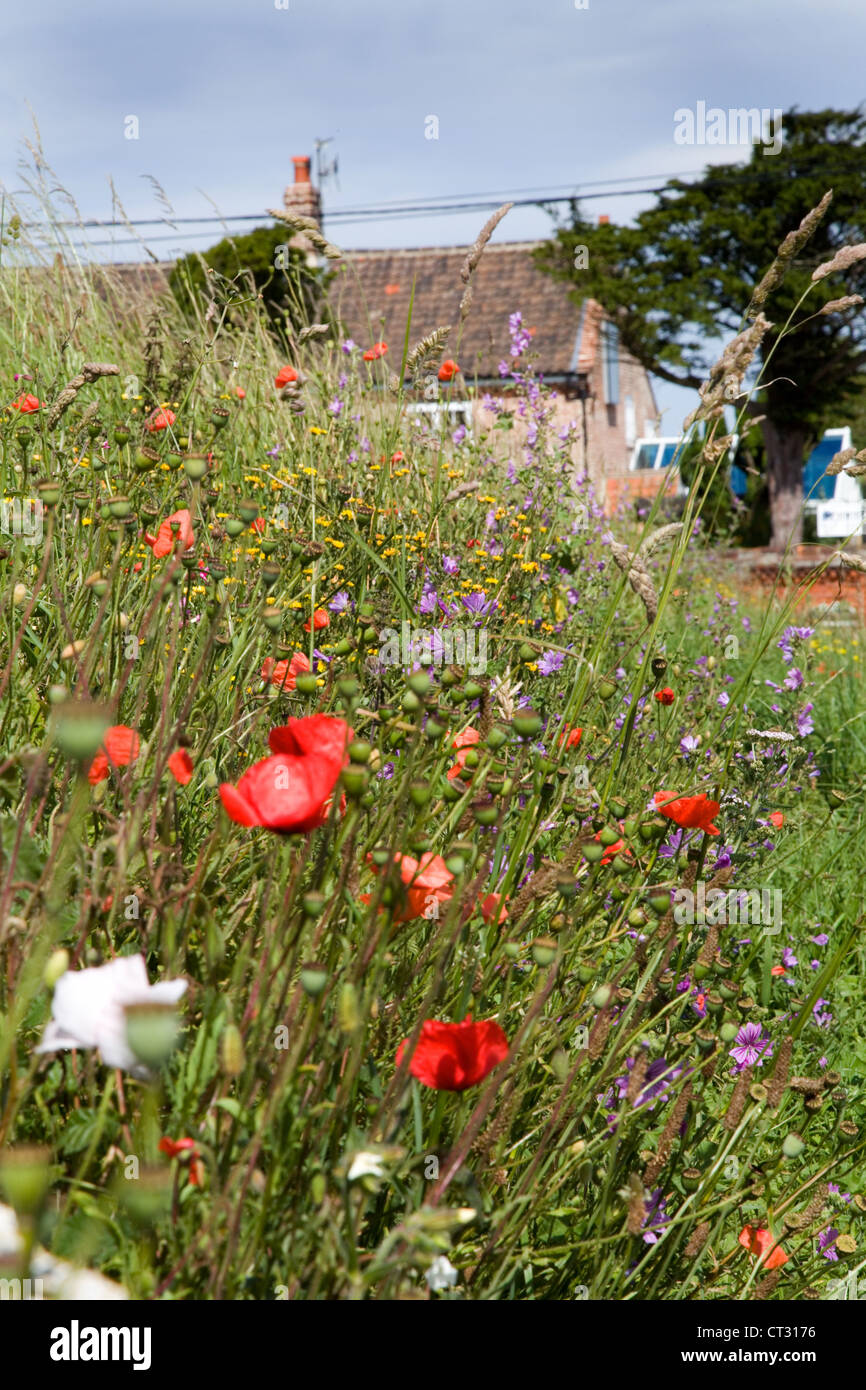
(375,285)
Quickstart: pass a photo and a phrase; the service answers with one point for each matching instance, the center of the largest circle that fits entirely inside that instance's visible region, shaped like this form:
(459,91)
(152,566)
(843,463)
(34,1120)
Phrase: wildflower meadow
(417,884)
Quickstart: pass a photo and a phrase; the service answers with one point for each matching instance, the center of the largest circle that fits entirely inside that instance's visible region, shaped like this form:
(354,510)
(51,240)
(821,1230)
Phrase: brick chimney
(302,198)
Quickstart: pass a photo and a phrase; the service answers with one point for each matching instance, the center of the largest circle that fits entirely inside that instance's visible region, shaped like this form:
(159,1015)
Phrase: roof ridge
(462,248)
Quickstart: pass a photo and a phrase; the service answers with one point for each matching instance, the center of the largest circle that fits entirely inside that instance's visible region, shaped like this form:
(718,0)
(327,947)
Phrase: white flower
(366,1165)
(441,1274)
(88,1009)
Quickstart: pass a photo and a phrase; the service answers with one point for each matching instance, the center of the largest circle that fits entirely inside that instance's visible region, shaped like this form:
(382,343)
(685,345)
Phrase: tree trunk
(786,449)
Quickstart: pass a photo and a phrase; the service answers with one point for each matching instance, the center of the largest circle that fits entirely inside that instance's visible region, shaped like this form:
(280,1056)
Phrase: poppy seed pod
(195,467)
(313,979)
(527,723)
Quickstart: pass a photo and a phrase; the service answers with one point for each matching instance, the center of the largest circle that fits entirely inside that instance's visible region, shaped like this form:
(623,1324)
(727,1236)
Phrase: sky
(525,99)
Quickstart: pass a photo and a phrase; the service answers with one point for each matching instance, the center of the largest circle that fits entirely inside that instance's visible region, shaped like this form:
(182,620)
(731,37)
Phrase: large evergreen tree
(688,267)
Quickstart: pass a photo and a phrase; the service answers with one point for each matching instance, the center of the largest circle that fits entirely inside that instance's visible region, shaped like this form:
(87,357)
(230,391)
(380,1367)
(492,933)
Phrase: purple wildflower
(751,1046)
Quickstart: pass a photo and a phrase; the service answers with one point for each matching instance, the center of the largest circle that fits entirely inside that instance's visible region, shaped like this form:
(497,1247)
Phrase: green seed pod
(234,526)
(152,1032)
(270,573)
(602,996)
(526,653)
(792,1145)
(486,815)
(344,647)
(248,510)
(410,702)
(660,903)
(419,683)
(306,683)
(592,853)
(359,751)
(527,723)
(608,836)
(348,687)
(355,780)
(473,690)
(587,971)
(496,738)
(691,1179)
(420,793)
(621,865)
(606,689)
(314,904)
(313,979)
(544,951)
(272,617)
(433,729)
(195,466)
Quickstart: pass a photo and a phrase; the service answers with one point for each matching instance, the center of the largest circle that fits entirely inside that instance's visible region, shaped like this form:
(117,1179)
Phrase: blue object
(815,487)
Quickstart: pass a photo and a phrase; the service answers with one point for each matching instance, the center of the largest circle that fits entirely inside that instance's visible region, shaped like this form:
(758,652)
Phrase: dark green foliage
(260,263)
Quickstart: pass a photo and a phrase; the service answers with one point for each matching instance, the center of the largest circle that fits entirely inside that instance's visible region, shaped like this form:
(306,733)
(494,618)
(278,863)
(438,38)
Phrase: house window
(630,422)
(610,359)
(442,415)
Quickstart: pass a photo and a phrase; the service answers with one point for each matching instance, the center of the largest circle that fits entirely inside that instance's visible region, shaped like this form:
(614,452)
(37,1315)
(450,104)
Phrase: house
(574,346)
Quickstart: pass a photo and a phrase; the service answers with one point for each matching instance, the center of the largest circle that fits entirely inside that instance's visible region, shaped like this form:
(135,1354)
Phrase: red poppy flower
(448,370)
(462,742)
(27,404)
(320,620)
(284,376)
(491,905)
(665,696)
(398,457)
(454,1056)
(778,970)
(688,812)
(175,1147)
(285,673)
(258,525)
(777,819)
(428,882)
(377,350)
(160,419)
(570,737)
(164,542)
(121,746)
(240,393)
(759,1241)
(181,766)
(287,792)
